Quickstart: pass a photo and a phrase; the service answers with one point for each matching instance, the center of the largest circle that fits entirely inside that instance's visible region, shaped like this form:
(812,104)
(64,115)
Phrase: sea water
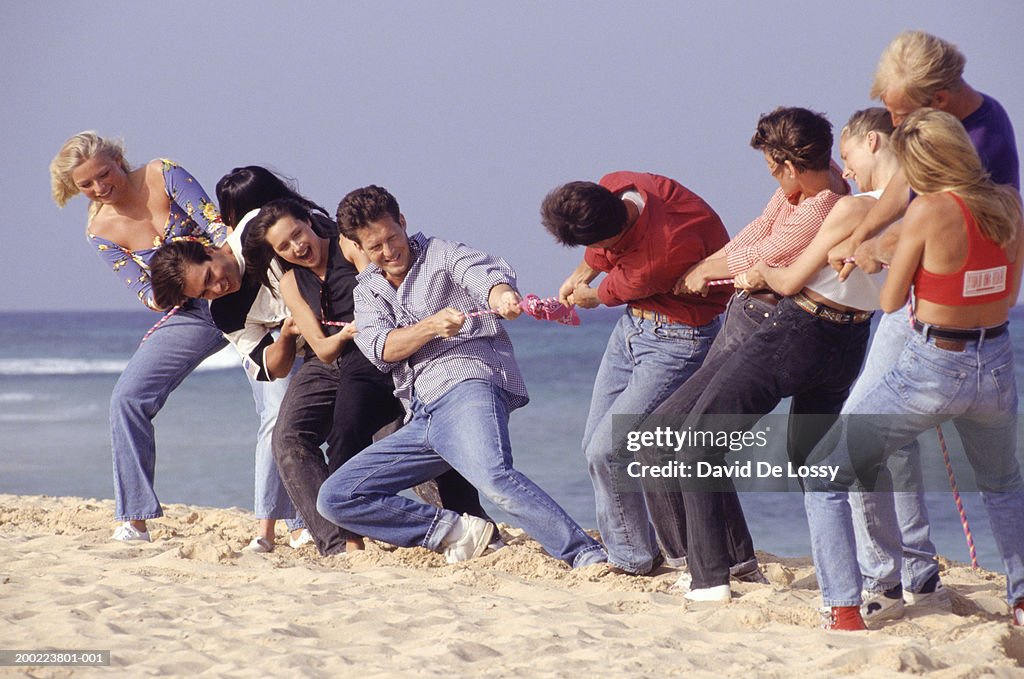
(57,370)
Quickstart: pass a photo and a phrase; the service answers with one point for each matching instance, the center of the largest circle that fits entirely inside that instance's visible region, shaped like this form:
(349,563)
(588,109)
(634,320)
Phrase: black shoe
(748,571)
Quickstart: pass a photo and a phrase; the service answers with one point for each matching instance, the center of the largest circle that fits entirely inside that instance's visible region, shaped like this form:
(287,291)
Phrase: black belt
(958,334)
(766,296)
(955,339)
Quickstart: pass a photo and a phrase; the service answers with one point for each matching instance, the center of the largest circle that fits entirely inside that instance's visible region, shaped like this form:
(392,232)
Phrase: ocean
(57,370)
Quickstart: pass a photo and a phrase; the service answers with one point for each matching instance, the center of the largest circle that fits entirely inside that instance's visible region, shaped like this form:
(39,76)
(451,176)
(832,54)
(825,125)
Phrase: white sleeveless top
(859,291)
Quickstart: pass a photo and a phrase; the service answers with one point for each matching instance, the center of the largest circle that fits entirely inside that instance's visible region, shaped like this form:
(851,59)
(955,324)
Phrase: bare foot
(354,545)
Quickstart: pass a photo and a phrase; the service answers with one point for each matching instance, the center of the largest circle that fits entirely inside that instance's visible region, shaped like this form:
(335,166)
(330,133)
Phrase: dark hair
(251,187)
(583,213)
(362,206)
(798,135)
(167,269)
(255,250)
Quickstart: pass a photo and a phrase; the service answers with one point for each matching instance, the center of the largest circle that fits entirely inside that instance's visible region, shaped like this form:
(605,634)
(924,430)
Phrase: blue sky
(468,112)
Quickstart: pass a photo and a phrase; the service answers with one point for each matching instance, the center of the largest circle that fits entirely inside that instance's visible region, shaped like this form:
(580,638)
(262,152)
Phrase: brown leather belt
(825,312)
(956,339)
(649,315)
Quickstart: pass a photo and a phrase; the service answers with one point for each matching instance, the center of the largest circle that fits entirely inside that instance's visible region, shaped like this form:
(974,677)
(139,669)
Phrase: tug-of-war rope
(543,309)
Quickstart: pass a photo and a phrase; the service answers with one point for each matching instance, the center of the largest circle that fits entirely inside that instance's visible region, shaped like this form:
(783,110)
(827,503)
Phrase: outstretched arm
(695,280)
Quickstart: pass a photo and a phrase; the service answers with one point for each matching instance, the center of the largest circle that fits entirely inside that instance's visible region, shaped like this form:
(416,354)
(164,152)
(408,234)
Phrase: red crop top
(983,278)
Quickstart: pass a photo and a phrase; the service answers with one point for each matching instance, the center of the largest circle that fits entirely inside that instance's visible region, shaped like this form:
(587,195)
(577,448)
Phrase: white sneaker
(683,582)
(719,594)
(937,598)
(467,539)
(126,532)
(304,538)
(887,605)
(260,545)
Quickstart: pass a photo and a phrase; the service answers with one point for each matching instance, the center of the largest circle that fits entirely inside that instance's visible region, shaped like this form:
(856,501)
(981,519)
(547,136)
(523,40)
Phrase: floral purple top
(192,214)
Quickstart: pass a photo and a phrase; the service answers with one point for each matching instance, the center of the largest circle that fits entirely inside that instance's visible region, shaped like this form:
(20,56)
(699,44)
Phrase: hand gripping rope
(546,309)
(729,281)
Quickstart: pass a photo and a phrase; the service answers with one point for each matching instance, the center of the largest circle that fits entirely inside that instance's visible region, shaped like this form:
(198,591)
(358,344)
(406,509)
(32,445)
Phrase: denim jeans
(156,369)
(465,429)
(644,362)
(343,403)
(743,316)
(891,526)
(976,389)
(271,497)
(795,354)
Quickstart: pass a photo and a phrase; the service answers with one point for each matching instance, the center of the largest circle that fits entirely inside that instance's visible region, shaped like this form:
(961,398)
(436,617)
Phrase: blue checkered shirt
(442,274)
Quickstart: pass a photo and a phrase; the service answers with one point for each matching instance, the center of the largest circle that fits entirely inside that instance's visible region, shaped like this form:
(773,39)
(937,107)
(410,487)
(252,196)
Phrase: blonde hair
(875,119)
(937,156)
(919,65)
(74,152)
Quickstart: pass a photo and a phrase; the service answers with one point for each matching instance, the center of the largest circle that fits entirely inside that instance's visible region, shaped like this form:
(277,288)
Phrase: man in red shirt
(644,232)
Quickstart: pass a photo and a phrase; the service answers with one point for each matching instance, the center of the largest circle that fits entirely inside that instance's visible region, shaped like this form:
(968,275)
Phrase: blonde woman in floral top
(132,213)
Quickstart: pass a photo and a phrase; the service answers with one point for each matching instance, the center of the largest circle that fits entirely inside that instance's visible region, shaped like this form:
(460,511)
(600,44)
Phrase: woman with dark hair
(251,187)
(240,194)
(337,395)
(709,529)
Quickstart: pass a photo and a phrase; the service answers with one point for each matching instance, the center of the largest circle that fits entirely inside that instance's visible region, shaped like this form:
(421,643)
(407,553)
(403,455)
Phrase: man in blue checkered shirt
(458,379)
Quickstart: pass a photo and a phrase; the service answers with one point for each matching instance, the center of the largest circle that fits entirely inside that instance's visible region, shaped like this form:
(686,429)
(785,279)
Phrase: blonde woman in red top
(960,249)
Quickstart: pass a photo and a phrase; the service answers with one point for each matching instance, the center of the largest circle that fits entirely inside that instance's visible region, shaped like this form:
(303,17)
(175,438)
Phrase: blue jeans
(271,497)
(927,385)
(465,429)
(645,361)
(891,526)
(156,369)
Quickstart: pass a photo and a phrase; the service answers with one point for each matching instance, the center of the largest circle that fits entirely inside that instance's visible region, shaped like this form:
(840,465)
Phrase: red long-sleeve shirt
(675,230)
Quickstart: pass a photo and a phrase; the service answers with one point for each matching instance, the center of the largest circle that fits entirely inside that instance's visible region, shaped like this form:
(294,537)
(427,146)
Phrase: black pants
(667,507)
(794,354)
(343,403)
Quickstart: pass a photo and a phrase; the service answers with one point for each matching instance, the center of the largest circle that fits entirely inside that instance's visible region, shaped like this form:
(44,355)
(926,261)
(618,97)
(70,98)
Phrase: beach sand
(192,603)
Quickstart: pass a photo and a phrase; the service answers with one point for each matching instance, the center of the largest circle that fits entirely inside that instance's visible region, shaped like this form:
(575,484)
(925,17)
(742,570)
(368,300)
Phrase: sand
(192,603)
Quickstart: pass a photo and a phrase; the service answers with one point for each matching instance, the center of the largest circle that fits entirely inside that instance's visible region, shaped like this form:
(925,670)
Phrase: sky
(468,112)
